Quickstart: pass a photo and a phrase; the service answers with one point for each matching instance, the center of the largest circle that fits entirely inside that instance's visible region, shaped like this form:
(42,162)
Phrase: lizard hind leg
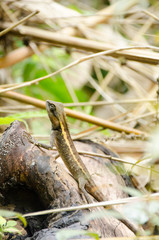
(81,183)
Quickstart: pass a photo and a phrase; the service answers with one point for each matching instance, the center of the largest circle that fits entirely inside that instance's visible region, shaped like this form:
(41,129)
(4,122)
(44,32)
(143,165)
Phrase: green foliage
(8,226)
(18,42)
(29,114)
(21,116)
(7,214)
(48,88)
(8,120)
(51,88)
(67,234)
(75,7)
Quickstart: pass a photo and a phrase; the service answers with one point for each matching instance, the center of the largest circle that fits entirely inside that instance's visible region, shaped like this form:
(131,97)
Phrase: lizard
(61,138)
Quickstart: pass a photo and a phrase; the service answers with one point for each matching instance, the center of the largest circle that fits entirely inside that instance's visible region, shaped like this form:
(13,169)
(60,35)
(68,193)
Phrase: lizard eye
(53,110)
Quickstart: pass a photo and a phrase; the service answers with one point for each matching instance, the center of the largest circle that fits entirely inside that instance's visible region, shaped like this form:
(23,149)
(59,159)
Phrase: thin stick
(150,14)
(17,23)
(79,115)
(99,103)
(139,117)
(117,159)
(99,204)
(82,59)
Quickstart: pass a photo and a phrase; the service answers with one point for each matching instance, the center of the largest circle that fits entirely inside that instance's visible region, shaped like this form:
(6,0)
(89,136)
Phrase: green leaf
(75,7)
(22,219)
(7,120)
(2,221)
(29,70)
(56,90)
(93,235)
(11,223)
(29,114)
(12,230)
(1,235)
(7,214)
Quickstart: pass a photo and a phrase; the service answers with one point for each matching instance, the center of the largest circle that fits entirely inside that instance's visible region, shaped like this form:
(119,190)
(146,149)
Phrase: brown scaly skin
(60,136)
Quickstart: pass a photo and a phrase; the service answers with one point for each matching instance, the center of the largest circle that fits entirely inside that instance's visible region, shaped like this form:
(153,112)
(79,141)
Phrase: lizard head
(55,111)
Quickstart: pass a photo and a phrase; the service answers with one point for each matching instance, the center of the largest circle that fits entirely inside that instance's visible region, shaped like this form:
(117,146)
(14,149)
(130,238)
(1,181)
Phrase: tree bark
(24,165)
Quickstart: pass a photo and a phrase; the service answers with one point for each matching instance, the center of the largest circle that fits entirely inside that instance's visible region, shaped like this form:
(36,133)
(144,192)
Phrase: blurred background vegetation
(126,82)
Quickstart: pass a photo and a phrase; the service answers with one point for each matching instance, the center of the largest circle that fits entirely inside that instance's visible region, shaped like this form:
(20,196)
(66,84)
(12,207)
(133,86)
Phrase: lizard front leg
(40,145)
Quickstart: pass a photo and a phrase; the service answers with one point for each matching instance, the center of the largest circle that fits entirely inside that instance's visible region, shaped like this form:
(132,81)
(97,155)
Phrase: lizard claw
(30,139)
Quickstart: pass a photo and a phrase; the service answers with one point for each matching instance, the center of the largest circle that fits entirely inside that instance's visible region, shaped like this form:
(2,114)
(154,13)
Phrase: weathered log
(27,168)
